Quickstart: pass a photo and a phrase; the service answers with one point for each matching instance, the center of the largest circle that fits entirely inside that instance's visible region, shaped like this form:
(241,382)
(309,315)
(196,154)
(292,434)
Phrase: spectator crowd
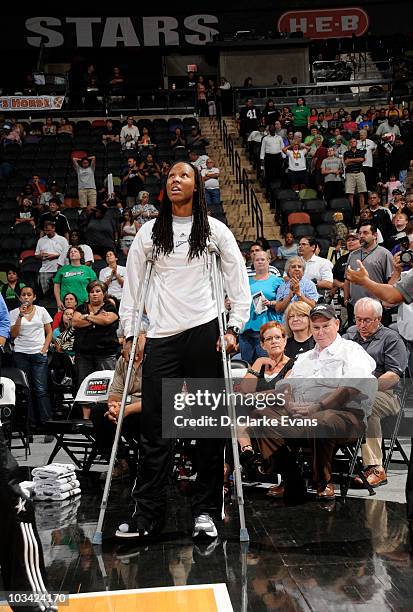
(334,153)
(64,278)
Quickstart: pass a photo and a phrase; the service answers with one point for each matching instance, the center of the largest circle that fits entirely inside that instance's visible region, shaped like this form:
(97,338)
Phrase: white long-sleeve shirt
(343,363)
(180,292)
(271,144)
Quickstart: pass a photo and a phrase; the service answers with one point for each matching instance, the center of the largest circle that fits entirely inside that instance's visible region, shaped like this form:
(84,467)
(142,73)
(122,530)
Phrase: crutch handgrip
(213,248)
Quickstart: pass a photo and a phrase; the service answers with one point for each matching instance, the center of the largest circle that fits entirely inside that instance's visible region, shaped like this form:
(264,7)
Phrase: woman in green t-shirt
(301,114)
(73,278)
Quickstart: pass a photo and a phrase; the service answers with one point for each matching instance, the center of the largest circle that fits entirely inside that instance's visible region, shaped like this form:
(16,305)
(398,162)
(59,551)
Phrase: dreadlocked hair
(162,235)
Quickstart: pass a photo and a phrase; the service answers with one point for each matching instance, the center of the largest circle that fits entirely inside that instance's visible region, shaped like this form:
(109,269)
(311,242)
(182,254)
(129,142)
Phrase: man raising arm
(397,291)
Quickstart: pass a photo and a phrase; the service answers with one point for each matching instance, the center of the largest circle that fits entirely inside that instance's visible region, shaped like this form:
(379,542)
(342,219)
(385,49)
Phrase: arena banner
(325,23)
(211,23)
(40,103)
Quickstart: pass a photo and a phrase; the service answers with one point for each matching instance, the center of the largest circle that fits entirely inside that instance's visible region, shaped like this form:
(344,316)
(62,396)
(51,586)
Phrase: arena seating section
(51,160)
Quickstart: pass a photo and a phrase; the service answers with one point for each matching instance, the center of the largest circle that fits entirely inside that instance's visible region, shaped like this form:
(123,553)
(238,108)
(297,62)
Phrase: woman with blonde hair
(297,322)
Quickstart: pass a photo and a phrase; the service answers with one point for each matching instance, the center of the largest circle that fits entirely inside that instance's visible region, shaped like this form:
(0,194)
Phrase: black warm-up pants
(190,354)
(21,555)
(273,166)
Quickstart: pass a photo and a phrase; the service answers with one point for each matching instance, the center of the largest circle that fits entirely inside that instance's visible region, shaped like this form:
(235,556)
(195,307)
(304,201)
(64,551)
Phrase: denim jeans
(403,176)
(250,347)
(212,196)
(35,366)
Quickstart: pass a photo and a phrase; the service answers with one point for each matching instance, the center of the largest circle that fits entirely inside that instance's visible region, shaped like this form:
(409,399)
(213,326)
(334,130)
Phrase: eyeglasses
(297,316)
(303,244)
(365,321)
(274,338)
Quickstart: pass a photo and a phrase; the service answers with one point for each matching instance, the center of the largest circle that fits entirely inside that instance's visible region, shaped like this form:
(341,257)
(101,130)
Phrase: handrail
(237,162)
(246,192)
(254,209)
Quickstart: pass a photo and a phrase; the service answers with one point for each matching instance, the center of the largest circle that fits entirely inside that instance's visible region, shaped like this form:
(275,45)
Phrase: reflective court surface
(355,555)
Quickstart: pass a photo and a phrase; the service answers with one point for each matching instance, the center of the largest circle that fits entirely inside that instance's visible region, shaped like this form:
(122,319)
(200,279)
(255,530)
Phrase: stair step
(233,202)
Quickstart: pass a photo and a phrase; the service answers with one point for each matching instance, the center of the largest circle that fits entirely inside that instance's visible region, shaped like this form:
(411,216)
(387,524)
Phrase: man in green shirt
(301,114)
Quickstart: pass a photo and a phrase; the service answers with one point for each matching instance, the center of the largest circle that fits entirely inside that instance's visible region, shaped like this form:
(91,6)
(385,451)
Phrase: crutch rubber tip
(97,538)
(243,535)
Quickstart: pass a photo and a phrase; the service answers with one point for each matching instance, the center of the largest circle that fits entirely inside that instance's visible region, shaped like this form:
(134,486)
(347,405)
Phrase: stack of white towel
(55,482)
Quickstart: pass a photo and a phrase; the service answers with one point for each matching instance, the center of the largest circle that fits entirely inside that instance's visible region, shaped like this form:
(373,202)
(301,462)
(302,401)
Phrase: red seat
(298,217)
(79,154)
(26,253)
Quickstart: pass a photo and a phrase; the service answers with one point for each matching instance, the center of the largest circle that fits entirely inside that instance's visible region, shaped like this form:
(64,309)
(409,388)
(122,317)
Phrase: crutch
(229,387)
(97,538)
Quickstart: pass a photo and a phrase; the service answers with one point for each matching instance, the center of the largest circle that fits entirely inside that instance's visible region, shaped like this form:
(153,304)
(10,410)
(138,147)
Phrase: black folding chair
(347,464)
(19,418)
(390,426)
(77,436)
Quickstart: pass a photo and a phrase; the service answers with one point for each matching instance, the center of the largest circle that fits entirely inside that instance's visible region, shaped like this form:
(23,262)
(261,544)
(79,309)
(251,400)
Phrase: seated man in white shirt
(318,269)
(324,385)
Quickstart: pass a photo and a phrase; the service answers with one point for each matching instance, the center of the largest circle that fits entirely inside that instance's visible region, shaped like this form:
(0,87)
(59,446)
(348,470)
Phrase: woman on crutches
(182,340)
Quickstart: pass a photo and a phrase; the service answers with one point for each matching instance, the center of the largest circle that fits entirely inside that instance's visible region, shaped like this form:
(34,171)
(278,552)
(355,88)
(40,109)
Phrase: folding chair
(19,417)
(61,383)
(346,465)
(76,436)
(390,429)
(7,405)
(349,464)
